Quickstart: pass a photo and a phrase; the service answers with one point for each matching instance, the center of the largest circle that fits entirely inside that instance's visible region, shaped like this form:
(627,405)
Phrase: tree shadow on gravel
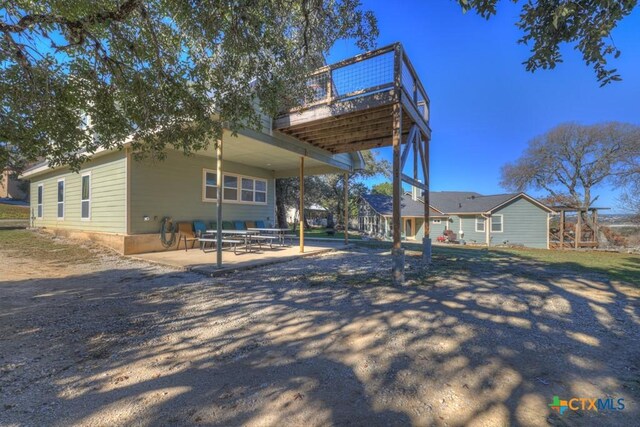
(489,338)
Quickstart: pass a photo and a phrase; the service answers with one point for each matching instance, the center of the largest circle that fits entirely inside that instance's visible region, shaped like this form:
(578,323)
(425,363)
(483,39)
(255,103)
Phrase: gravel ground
(322,341)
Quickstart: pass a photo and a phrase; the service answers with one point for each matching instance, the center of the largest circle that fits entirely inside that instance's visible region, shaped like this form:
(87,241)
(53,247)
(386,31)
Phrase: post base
(397,268)
(426,250)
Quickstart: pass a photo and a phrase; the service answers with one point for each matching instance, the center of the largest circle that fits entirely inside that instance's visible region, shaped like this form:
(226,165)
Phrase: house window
(230,187)
(235,188)
(496,223)
(436,221)
(480,224)
(40,197)
(85,198)
(210,185)
(61,199)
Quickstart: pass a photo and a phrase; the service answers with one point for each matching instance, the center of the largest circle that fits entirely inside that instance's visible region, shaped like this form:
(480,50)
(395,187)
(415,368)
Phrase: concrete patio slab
(205,262)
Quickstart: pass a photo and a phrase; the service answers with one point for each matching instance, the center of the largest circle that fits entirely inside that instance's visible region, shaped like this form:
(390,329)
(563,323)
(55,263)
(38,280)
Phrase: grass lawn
(617,266)
(27,243)
(321,232)
(13,211)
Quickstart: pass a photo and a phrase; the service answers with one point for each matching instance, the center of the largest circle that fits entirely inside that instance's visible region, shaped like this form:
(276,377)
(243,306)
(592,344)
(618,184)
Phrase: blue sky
(485,106)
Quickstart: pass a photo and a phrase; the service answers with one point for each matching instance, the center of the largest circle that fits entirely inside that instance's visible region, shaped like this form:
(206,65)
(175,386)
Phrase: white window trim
(501,223)
(64,199)
(436,221)
(238,199)
(40,212)
(90,196)
(484,222)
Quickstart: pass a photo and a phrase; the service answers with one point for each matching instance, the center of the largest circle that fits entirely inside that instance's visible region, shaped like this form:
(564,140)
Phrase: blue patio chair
(239,225)
(199,227)
(260,224)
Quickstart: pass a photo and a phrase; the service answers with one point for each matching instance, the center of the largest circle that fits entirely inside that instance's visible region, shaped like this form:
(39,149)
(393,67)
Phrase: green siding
(524,224)
(108,196)
(173,187)
(469,228)
(436,230)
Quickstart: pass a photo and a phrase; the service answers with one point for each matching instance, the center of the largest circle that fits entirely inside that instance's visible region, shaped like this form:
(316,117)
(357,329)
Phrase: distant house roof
(448,202)
(409,207)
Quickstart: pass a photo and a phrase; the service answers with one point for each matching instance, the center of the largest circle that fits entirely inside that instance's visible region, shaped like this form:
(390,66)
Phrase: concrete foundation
(397,269)
(426,250)
(121,243)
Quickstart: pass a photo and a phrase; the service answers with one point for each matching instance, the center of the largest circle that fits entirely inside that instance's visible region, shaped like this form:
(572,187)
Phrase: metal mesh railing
(361,76)
(364,75)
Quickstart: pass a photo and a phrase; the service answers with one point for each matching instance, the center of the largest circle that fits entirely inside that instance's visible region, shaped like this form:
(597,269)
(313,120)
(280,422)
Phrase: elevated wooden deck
(354,100)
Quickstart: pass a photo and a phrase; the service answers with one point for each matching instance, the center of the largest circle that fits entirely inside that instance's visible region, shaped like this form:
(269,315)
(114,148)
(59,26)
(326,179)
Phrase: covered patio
(205,262)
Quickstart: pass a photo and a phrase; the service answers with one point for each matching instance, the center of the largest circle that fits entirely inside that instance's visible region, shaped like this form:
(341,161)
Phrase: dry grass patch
(43,247)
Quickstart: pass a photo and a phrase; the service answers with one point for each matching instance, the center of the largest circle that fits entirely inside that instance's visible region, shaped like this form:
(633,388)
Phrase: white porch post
(219,183)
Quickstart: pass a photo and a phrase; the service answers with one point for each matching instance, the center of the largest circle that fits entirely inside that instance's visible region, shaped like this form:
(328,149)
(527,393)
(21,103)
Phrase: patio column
(301,210)
(219,203)
(346,208)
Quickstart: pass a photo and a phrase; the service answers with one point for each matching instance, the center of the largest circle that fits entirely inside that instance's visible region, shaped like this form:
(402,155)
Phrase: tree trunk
(281,209)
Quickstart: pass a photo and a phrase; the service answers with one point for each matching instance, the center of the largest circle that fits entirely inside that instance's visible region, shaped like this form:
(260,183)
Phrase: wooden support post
(594,219)
(562,219)
(301,210)
(219,183)
(346,208)
(397,253)
(426,240)
(578,231)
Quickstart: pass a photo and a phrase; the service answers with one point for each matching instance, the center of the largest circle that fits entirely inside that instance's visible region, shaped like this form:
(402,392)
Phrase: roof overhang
(278,153)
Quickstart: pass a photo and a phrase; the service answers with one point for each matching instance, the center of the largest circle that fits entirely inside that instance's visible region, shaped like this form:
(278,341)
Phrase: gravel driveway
(323,341)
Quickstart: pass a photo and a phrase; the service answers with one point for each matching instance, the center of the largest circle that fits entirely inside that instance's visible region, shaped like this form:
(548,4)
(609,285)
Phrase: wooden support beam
(406,178)
(562,219)
(219,203)
(346,208)
(342,131)
(347,121)
(380,132)
(357,146)
(301,210)
(397,253)
(415,143)
(397,178)
(409,142)
(578,230)
(426,240)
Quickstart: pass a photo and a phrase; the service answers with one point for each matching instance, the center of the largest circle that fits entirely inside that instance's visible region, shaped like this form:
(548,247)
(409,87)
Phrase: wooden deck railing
(387,68)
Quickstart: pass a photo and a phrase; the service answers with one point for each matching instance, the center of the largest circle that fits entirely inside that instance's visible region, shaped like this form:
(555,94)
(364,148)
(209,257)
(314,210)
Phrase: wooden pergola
(371,100)
(584,234)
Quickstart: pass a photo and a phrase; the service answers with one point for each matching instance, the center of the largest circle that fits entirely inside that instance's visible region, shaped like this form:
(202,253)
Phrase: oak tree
(570,160)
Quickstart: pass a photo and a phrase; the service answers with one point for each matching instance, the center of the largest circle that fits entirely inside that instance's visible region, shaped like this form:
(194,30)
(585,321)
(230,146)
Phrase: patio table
(280,232)
(245,234)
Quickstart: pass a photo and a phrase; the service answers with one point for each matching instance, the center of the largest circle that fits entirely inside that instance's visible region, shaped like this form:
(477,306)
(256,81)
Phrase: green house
(515,219)
(121,202)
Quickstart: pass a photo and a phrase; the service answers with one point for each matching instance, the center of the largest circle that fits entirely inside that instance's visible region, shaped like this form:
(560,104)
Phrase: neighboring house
(375,216)
(10,187)
(315,214)
(500,219)
(121,202)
